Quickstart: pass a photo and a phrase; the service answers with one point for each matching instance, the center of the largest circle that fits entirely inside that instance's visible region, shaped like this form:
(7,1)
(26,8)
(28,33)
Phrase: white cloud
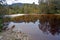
(22,1)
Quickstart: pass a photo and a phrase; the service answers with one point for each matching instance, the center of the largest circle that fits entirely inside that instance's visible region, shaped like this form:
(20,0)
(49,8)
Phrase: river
(31,24)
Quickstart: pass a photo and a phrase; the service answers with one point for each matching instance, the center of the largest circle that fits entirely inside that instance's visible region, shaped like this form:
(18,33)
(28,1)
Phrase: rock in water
(13,35)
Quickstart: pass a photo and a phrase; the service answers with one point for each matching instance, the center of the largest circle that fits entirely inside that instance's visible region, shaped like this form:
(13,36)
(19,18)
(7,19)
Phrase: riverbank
(15,15)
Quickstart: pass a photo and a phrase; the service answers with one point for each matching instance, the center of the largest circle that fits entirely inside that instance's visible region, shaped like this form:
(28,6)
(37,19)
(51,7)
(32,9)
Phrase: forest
(47,7)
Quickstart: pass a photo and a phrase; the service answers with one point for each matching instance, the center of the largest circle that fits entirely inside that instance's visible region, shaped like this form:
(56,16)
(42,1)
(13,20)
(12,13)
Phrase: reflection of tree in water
(44,27)
(25,18)
(48,23)
(55,26)
(52,25)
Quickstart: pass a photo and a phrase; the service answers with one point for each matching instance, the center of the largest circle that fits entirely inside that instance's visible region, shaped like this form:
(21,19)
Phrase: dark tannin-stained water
(36,27)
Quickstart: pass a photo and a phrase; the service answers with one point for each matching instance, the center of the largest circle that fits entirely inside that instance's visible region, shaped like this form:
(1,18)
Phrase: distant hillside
(18,4)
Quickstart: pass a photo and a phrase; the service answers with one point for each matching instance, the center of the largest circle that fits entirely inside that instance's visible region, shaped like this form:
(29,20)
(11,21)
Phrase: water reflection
(50,25)
(38,26)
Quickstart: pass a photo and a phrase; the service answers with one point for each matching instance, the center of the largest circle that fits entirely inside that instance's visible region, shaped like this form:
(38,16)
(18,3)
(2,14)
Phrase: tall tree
(51,5)
(3,11)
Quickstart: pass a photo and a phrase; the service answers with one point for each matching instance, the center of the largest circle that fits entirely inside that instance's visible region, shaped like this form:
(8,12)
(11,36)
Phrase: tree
(43,7)
(50,6)
(3,11)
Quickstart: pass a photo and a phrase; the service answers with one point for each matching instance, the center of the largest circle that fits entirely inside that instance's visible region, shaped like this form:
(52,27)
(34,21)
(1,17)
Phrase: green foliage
(50,7)
(1,26)
(3,11)
(43,8)
(25,9)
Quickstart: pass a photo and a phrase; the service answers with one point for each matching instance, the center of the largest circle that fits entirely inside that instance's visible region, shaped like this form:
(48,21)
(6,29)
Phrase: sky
(22,1)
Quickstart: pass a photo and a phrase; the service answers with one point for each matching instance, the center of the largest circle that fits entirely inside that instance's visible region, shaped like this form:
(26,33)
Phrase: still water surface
(35,29)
